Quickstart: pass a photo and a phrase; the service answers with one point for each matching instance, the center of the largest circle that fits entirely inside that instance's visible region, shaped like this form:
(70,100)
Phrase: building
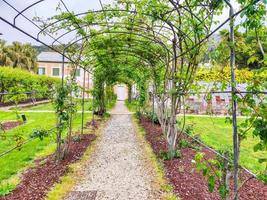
(50,64)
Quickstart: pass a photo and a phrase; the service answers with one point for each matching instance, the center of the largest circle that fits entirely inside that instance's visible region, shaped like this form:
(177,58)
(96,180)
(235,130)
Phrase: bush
(153,117)
(20,81)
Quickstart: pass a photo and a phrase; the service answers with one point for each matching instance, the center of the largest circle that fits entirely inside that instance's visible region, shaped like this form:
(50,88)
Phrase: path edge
(67,182)
(160,182)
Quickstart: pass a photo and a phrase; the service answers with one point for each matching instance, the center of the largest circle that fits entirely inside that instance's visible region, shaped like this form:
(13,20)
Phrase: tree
(18,55)
(4,54)
(248,52)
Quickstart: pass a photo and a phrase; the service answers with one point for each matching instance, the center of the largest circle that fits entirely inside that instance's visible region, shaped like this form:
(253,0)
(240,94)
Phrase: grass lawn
(14,162)
(49,106)
(133,106)
(218,134)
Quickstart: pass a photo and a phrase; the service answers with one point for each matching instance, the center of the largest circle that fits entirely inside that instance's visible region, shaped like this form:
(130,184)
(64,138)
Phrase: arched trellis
(175,8)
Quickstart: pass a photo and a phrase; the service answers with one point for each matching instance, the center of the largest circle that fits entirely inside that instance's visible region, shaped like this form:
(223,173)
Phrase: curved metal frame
(176,7)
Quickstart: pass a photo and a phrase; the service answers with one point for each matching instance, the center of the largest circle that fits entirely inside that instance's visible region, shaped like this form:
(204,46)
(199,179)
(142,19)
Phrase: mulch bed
(10,124)
(37,181)
(189,184)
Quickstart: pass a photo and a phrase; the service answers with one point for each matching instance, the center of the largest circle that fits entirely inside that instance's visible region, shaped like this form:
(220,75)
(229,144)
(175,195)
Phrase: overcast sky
(47,9)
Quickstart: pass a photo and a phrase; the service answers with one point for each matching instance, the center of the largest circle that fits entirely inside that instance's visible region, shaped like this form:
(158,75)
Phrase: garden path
(118,169)
(8,108)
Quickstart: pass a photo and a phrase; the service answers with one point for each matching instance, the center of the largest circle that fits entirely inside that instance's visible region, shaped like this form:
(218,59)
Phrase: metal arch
(141,35)
(136,50)
(88,36)
(217,28)
(93,24)
(110,10)
(14,25)
(28,7)
(185,8)
(103,10)
(133,55)
(136,40)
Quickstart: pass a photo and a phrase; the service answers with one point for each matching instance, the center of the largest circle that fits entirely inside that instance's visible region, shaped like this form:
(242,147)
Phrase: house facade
(50,64)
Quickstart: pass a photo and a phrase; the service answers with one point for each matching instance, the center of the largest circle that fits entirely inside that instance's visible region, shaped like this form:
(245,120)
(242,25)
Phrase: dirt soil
(37,181)
(189,184)
(10,124)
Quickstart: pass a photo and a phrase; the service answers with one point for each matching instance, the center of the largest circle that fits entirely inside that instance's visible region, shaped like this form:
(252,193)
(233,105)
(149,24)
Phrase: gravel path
(8,108)
(118,169)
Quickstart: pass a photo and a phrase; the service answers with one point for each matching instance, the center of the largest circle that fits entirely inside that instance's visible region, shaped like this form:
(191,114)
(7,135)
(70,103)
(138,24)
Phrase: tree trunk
(129,93)
(259,43)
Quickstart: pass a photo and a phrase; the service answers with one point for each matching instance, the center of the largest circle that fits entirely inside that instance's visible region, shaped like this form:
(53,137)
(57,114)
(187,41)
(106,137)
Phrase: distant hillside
(43,48)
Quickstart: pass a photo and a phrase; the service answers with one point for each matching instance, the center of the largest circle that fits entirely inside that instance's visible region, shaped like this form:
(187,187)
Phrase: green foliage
(263,178)
(18,81)
(184,143)
(223,76)
(39,133)
(17,55)
(15,162)
(189,129)
(213,169)
(152,116)
(217,134)
(168,155)
(6,188)
(248,52)
(132,106)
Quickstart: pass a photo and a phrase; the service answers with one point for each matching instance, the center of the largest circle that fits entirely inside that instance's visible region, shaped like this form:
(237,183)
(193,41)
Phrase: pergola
(162,32)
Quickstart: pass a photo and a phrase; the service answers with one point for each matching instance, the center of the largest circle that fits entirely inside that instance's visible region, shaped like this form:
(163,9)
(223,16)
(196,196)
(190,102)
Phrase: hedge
(17,82)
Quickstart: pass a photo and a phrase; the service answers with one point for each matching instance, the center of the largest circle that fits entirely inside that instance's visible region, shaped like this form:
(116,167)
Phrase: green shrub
(20,81)
(153,117)
(183,143)
(167,155)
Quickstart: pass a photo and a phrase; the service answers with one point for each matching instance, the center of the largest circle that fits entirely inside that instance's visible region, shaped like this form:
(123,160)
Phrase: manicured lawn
(218,134)
(133,106)
(17,160)
(49,106)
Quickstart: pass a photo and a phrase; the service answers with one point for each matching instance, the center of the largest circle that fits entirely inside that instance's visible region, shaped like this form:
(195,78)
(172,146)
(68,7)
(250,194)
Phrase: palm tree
(23,56)
(18,55)
(4,54)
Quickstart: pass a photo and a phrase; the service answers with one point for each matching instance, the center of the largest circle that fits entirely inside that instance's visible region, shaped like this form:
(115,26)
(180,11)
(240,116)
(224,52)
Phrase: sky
(47,9)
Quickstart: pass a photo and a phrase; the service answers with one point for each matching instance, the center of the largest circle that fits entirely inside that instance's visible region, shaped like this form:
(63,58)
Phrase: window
(41,71)
(78,72)
(55,72)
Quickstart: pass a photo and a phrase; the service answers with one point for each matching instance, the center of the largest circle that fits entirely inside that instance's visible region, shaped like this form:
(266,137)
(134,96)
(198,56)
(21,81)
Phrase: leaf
(262,160)
(223,191)
(211,183)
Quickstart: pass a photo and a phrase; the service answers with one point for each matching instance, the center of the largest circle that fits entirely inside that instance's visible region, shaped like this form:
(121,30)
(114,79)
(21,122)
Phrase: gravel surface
(118,169)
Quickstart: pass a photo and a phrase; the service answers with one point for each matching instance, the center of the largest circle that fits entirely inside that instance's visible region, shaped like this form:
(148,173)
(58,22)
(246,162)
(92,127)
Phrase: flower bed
(181,173)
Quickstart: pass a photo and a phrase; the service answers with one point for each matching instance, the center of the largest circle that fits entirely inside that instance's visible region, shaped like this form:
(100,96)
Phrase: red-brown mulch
(37,181)
(10,124)
(189,184)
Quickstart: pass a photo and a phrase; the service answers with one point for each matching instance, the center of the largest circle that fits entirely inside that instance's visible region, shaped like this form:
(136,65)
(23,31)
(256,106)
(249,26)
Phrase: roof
(51,57)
